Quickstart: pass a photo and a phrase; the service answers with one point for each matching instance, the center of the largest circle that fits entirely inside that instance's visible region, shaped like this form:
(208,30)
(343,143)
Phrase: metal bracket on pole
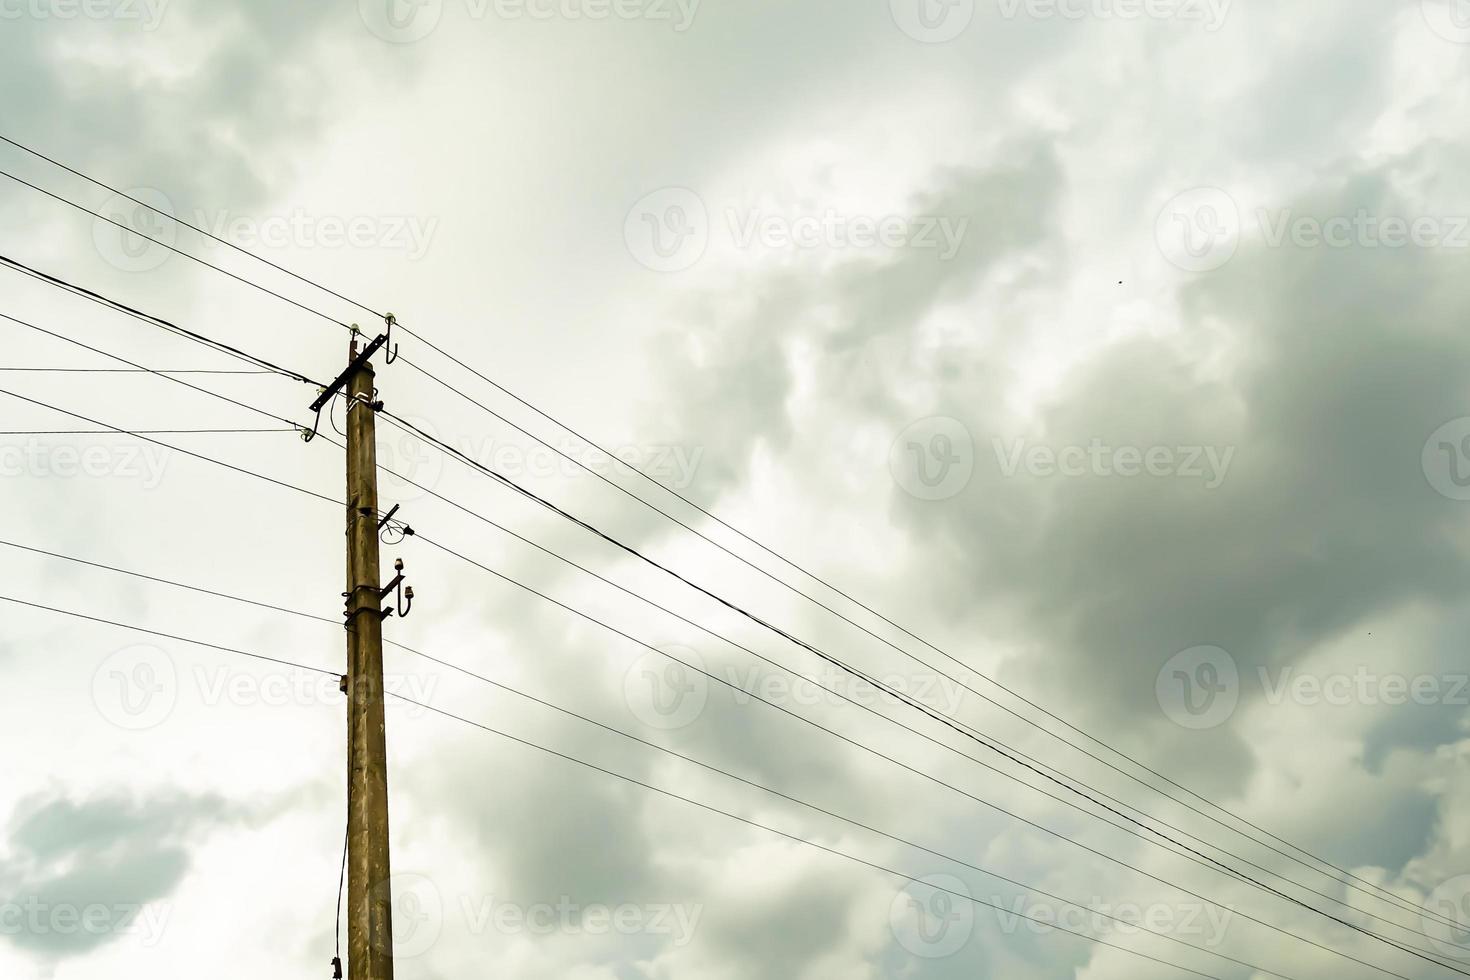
(405,594)
(335,388)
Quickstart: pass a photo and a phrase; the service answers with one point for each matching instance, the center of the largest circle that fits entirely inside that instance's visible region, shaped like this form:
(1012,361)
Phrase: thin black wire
(1390,898)
(644,742)
(168,636)
(802,840)
(85,370)
(905,766)
(166,377)
(148,432)
(259,258)
(177,251)
(1385,892)
(901,697)
(177,449)
(156,321)
(784,710)
(966,731)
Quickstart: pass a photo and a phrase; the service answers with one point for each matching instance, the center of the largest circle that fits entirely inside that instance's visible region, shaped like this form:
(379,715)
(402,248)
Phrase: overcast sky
(1117,349)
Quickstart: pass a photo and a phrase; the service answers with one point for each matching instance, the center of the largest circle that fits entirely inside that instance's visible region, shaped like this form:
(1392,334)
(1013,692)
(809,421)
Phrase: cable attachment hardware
(335,388)
(392,531)
(336,968)
(390,348)
(405,593)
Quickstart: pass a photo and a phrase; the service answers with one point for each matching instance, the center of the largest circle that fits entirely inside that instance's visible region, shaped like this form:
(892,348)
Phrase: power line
(1387,896)
(843,738)
(964,730)
(801,840)
(152,320)
(87,370)
(663,749)
(144,432)
(167,636)
(1390,896)
(177,251)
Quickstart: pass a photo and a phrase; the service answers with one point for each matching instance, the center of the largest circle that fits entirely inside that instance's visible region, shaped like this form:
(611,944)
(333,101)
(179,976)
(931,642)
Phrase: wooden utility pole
(369,888)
